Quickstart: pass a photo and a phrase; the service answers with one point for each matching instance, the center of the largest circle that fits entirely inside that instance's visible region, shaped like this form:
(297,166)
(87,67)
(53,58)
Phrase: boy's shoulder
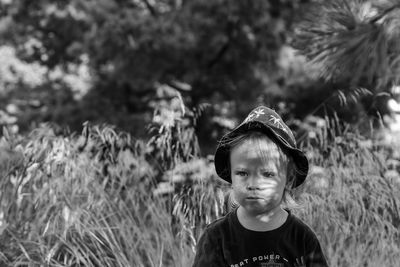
(220,223)
(298,222)
(302,227)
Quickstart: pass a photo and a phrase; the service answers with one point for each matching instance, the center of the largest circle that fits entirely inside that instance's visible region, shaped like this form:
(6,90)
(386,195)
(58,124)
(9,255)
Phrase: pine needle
(351,41)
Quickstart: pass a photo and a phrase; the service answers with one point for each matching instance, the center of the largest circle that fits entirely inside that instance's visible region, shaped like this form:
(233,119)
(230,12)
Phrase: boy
(261,160)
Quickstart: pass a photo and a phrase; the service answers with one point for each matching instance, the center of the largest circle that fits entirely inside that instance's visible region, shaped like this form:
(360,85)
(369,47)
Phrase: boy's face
(258,172)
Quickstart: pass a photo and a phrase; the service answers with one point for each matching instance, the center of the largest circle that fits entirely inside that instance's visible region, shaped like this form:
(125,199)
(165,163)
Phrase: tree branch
(219,55)
(384,13)
(150,8)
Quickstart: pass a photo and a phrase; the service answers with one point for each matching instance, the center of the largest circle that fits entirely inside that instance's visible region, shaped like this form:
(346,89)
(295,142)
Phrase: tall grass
(90,200)
(351,201)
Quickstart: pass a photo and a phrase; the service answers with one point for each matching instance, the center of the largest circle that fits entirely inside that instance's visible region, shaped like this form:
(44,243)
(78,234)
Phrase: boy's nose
(254,185)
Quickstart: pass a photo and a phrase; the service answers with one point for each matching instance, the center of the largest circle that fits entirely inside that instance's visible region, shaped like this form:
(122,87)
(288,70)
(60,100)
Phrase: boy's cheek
(237,195)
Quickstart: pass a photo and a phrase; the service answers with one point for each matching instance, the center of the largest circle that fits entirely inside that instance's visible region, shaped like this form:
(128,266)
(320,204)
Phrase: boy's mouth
(254,197)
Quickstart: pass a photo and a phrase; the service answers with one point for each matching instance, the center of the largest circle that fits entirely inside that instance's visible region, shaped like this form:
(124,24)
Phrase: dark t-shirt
(226,242)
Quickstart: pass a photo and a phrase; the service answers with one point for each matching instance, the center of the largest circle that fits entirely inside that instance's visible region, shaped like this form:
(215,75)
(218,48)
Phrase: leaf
(6,133)
(349,43)
(3,226)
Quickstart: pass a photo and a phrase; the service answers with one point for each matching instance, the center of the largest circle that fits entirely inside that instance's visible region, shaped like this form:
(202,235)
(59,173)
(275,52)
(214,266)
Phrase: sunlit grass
(87,200)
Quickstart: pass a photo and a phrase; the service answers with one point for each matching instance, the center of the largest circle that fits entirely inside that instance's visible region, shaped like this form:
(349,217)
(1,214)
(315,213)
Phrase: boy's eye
(268,174)
(241,173)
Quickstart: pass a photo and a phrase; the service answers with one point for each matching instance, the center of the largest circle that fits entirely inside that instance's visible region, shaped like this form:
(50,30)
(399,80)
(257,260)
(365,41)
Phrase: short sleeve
(208,252)
(315,257)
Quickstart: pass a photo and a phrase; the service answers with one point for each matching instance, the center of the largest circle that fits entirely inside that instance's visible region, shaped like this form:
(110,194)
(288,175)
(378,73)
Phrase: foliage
(105,61)
(353,191)
(172,129)
(210,51)
(70,198)
(354,41)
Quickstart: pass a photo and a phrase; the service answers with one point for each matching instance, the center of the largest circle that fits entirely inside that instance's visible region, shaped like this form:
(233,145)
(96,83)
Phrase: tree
(220,51)
(355,43)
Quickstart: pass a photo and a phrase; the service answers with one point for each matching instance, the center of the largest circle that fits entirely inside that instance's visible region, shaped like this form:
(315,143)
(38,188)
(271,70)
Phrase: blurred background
(123,62)
(111,109)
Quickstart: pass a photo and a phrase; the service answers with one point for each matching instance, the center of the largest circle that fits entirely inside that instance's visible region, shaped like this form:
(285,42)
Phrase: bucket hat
(265,120)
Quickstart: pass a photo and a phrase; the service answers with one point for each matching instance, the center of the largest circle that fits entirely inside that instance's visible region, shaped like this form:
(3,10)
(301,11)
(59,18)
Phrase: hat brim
(222,154)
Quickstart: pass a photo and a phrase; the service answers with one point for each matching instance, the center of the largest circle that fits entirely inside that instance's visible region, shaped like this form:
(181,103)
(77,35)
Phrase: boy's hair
(288,193)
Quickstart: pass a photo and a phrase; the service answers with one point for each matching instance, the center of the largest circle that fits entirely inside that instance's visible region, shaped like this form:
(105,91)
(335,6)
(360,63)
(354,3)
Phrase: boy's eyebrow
(271,168)
(239,168)
(274,170)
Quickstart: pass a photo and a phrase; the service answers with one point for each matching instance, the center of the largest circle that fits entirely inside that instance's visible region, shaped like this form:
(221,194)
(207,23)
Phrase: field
(101,198)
